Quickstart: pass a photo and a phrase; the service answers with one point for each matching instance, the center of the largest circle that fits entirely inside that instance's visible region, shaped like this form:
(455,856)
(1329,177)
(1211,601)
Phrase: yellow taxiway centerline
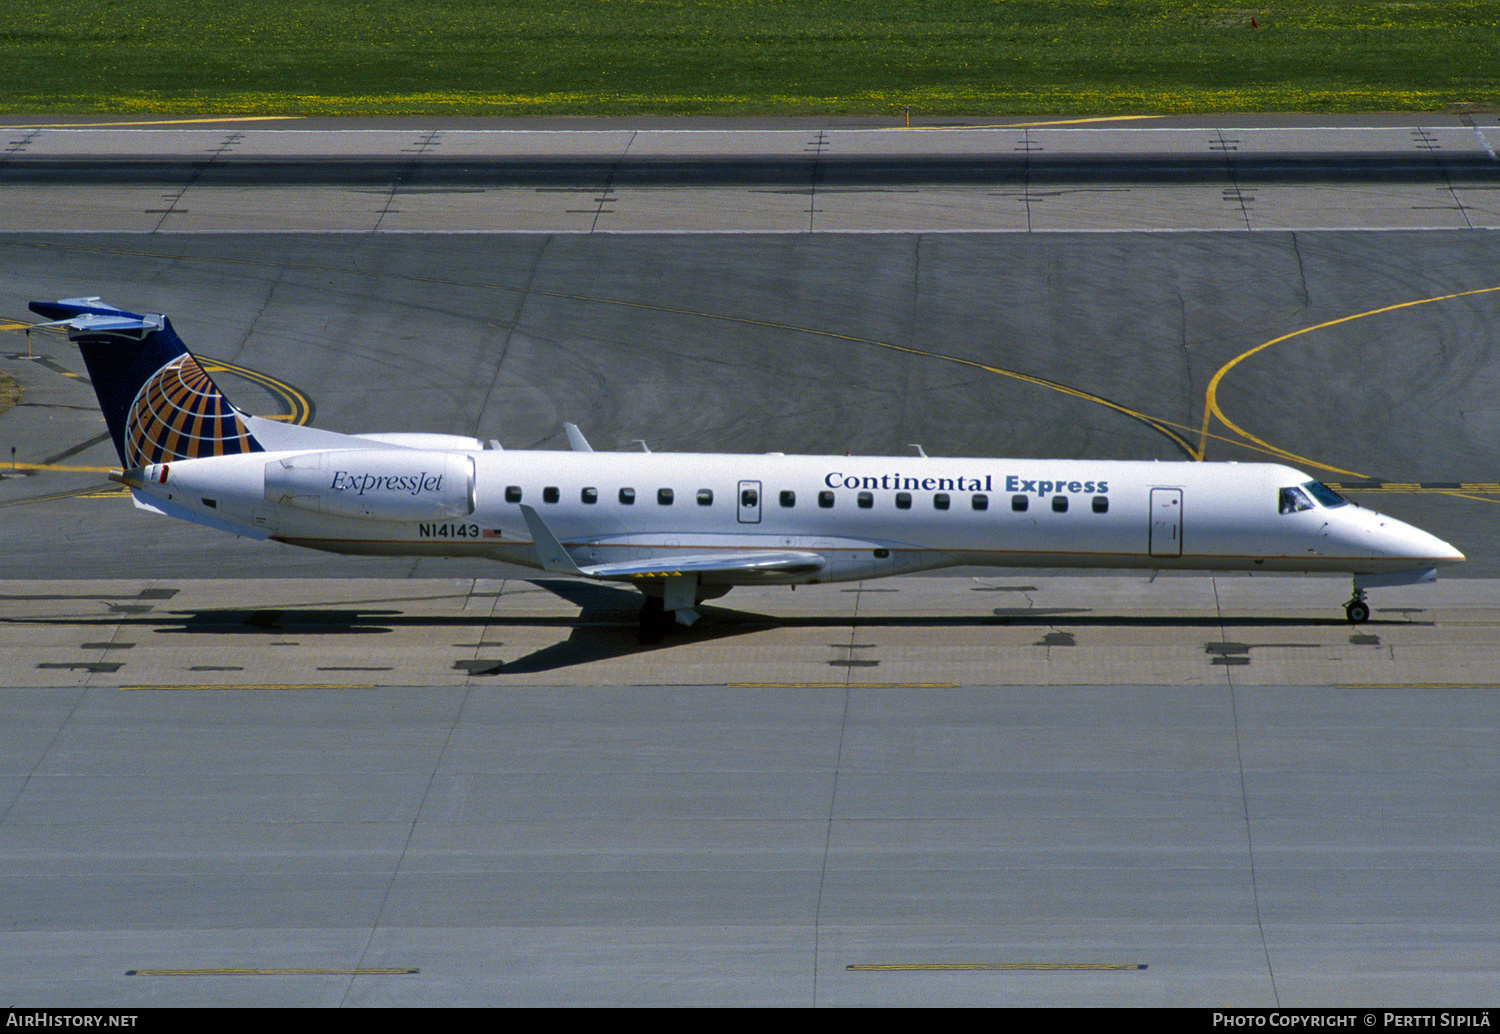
(1211,408)
(159,122)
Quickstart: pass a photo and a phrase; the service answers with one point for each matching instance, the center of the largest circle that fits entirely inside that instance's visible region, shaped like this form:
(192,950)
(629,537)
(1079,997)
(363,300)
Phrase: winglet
(548,550)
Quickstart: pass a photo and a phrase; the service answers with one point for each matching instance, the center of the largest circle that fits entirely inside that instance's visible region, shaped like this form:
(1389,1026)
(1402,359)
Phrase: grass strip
(741,57)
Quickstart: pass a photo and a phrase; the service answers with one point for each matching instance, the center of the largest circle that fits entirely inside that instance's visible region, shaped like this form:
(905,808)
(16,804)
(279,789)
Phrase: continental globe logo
(179,414)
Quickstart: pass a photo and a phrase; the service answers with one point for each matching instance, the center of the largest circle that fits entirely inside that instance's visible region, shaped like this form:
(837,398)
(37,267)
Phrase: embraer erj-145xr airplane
(685,527)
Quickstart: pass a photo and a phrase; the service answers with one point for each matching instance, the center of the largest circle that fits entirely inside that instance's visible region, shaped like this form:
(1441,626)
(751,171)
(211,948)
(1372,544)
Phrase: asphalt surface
(241,774)
(779,342)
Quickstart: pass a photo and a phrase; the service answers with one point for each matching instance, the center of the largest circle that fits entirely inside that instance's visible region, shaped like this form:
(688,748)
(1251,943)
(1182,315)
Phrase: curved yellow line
(1211,408)
(299,406)
(157,122)
(291,394)
(1022,125)
(1162,427)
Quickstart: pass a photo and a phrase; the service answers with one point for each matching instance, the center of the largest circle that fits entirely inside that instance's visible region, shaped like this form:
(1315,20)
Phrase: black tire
(1358,611)
(655,621)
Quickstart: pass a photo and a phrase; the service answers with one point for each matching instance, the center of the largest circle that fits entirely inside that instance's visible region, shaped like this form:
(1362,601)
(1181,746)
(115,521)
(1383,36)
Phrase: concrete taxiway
(656,176)
(933,791)
(236,773)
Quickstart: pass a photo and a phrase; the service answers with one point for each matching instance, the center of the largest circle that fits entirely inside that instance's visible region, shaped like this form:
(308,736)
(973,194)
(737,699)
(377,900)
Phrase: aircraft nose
(1424,546)
(1391,540)
(1449,554)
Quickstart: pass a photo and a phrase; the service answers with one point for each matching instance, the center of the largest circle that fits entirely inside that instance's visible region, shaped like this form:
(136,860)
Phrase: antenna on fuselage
(920,451)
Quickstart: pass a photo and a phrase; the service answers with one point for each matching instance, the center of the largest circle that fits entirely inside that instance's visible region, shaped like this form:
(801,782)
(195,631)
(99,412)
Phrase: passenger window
(789,499)
(749,498)
(825,500)
(627,497)
(589,495)
(903,500)
(1294,500)
(1059,504)
(980,502)
(940,501)
(1019,503)
(866,500)
(550,494)
(705,497)
(663,497)
(513,494)
(1101,504)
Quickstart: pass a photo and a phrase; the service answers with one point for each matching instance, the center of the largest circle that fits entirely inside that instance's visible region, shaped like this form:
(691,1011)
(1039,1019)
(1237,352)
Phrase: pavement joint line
(564,231)
(277,972)
(841,685)
(1415,685)
(888,967)
(266,686)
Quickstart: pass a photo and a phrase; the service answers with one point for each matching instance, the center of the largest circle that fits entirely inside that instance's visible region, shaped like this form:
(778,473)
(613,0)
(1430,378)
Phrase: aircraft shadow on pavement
(607,627)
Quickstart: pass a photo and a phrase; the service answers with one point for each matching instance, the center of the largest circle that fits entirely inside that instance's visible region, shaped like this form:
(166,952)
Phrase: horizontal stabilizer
(85,315)
(92,323)
(67,308)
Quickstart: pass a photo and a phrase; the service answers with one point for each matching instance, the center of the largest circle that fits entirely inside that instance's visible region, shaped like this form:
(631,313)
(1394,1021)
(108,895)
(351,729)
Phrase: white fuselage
(865,516)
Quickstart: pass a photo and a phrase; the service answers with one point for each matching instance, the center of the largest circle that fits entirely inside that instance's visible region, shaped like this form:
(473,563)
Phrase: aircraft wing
(747,562)
(733,564)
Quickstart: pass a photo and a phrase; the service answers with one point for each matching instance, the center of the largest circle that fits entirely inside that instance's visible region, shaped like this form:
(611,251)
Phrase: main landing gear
(675,607)
(655,621)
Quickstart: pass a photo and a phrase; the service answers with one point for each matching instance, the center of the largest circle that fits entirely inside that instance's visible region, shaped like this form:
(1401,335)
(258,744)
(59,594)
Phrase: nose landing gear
(1357,610)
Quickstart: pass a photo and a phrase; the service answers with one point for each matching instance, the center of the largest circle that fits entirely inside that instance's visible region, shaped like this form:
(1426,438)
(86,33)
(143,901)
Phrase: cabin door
(1166,522)
(749,502)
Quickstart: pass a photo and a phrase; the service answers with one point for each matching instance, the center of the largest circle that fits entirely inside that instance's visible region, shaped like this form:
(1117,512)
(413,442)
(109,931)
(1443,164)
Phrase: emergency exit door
(749,502)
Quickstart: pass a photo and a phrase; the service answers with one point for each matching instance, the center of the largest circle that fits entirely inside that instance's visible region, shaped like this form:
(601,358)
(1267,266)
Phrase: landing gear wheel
(655,621)
(1358,611)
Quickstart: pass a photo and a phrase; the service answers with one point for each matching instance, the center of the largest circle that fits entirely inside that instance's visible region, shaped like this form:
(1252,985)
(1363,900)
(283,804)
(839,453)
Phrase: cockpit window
(1325,495)
(1294,500)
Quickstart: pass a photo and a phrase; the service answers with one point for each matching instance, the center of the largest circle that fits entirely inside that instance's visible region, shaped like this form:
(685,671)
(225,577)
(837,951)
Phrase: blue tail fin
(158,402)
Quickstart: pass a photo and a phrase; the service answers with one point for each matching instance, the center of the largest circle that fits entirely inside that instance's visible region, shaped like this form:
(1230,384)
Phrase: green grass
(10,392)
(681,57)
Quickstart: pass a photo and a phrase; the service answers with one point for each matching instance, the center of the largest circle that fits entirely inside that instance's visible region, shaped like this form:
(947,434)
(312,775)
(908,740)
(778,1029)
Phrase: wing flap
(744,563)
(733,564)
(747,565)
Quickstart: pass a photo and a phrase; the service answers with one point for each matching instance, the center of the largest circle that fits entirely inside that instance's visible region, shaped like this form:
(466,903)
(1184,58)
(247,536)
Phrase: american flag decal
(180,414)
